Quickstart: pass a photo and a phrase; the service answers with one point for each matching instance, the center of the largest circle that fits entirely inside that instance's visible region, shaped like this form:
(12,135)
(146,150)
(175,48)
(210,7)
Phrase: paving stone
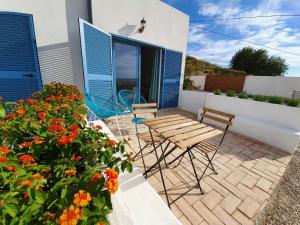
(211,199)
(230,203)
(190,212)
(207,214)
(235,162)
(249,207)
(249,181)
(240,217)
(184,220)
(235,177)
(224,216)
(264,184)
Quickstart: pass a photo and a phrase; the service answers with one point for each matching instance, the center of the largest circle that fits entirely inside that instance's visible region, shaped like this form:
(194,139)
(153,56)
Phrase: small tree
(258,62)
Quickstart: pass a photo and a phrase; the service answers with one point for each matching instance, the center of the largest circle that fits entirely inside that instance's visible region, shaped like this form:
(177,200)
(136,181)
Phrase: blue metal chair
(127,98)
(104,108)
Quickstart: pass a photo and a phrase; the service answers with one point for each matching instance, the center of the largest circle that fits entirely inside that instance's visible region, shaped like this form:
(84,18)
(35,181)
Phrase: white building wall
(267,85)
(165,26)
(57,36)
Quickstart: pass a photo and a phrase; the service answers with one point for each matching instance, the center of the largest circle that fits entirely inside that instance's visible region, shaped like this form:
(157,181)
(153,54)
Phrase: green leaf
(63,193)
(123,165)
(39,197)
(2,112)
(11,209)
(129,167)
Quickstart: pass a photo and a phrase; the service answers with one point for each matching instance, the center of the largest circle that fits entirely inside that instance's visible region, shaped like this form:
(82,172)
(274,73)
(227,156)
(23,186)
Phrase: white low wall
(198,81)
(276,125)
(191,101)
(267,85)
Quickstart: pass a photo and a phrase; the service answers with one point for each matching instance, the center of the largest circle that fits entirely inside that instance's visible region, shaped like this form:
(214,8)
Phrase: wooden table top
(182,131)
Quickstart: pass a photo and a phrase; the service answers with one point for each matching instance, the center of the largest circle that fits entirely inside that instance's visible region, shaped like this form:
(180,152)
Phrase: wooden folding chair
(206,147)
(149,140)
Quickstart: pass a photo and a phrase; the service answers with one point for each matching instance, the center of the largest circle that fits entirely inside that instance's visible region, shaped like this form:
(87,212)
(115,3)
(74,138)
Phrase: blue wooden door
(19,68)
(96,48)
(170,81)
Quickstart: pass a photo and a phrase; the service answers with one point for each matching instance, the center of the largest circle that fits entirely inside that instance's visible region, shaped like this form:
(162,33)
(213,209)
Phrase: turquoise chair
(127,98)
(104,108)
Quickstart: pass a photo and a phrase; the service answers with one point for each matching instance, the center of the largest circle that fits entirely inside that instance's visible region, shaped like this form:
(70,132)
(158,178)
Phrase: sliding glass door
(127,66)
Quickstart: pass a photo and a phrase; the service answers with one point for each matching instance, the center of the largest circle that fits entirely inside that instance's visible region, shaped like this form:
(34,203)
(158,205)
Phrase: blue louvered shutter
(19,67)
(170,79)
(96,48)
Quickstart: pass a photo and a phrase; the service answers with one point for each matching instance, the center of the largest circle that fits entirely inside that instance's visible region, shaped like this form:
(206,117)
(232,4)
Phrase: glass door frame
(138,44)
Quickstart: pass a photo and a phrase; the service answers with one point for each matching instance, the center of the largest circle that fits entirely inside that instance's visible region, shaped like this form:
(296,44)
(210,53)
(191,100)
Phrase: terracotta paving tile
(230,203)
(249,207)
(206,214)
(240,217)
(224,216)
(235,177)
(249,181)
(248,172)
(264,184)
(211,199)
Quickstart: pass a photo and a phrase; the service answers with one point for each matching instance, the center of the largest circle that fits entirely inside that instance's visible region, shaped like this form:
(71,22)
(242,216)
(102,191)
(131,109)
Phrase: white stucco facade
(58,37)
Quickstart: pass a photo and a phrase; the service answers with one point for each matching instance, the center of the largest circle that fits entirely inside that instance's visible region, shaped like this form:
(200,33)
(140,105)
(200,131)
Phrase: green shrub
(217,92)
(250,95)
(187,84)
(293,102)
(275,99)
(230,93)
(260,98)
(243,95)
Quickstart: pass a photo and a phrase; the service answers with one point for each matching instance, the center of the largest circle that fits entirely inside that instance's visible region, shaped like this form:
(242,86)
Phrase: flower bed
(54,169)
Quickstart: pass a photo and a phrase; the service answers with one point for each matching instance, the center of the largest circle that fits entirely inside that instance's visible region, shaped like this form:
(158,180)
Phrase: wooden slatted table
(183,133)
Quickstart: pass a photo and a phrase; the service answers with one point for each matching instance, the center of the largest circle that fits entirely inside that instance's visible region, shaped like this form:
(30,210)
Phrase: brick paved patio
(248,172)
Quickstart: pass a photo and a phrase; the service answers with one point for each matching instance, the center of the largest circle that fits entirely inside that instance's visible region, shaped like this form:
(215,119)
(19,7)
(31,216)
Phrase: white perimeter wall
(276,125)
(165,26)
(57,36)
(265,85)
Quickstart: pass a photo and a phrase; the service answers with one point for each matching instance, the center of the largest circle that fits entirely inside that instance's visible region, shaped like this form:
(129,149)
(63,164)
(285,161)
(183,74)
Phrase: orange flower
(38,140)
(112,142)
(74,127)
(54,128)
(41,115)
(101,223)
(11,168)
(98,127)
(79,117)
(37,176)
(111,173)
(82,198)
(10,116)
(77,158)
(26,183)
(65,105)
(96,177)
(4,150)
(21,101)
(56,121)
(70,216)
(26,144)
(1,98)
(64,140)
(29,100)
(25,194)
(112,185)
(70,172)
(26,159)
(46,170)
(21,112)
(3,159)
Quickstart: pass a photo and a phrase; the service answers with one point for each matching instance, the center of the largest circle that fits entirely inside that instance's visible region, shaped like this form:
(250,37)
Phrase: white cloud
(272,32)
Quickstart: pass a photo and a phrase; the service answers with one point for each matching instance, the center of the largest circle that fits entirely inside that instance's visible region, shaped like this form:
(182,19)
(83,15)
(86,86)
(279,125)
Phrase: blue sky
(275,32)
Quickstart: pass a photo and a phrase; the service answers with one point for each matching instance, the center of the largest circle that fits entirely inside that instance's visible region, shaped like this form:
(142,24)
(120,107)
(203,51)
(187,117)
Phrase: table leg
(160,171)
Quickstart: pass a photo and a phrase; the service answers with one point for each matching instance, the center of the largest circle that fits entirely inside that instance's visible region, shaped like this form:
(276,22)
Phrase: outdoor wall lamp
(143,25)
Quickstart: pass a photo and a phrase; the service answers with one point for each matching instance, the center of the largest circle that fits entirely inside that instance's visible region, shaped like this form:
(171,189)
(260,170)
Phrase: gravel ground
(284,205)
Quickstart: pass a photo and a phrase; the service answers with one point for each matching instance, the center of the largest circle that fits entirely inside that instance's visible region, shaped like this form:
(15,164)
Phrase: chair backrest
(101,107)
(144,108)
(218,116)
(128,97)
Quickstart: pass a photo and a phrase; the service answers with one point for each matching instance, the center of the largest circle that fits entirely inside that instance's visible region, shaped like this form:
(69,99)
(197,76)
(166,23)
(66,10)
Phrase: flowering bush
(54,169)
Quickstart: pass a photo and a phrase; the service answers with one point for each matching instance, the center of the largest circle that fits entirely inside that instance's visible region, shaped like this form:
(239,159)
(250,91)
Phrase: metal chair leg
(211,164)
(141,151)
(195,172)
